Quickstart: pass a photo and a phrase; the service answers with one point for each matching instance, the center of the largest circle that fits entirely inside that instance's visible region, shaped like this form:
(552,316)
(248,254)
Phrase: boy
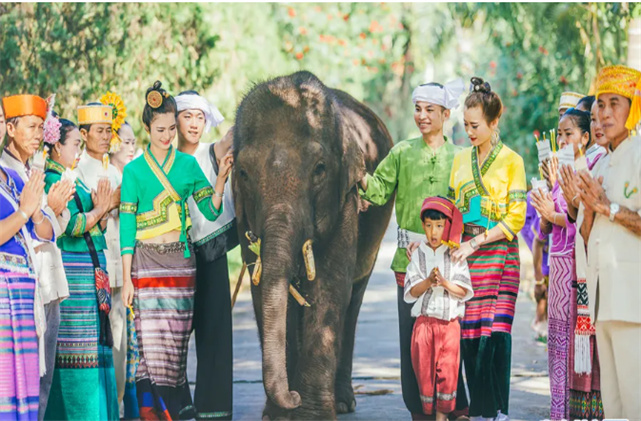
(439,288)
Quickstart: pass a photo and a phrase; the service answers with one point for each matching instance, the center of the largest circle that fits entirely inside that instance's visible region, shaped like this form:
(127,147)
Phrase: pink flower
(51,132)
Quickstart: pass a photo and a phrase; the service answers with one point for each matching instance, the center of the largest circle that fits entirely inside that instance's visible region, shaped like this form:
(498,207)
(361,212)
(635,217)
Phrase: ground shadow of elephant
(300,149)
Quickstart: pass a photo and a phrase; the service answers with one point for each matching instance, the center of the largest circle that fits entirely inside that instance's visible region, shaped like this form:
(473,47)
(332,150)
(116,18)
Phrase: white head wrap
(447,96)
(213,117)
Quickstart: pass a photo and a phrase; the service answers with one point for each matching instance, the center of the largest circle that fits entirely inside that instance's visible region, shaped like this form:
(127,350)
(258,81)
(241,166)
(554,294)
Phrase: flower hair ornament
(478,85)
(51,132)
(118,114)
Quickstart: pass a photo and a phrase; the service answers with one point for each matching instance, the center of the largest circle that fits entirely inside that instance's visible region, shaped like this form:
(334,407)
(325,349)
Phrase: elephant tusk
(254,247)
(310,264)
(258,270)
(299,298)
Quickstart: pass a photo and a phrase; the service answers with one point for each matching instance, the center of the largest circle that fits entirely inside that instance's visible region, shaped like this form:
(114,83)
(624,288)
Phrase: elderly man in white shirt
(612,229)
(96,131)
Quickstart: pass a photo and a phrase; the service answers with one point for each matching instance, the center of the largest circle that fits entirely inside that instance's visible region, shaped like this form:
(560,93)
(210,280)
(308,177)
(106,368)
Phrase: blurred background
(377,52)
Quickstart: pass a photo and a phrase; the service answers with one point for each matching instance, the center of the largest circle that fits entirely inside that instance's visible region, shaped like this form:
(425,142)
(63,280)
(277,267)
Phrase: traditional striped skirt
(560,334)
(164,285)
(486,344)
(19,372)
(84,381)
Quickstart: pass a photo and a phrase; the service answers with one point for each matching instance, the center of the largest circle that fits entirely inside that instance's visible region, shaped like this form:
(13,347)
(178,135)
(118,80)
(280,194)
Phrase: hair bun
(155,95)
(479,85)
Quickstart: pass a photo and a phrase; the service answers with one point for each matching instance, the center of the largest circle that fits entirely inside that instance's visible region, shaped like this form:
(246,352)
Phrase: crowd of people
(100,256)
(582,221)
(108,260)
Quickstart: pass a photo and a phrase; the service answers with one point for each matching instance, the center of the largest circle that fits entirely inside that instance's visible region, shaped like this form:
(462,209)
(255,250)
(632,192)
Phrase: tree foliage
(375,51)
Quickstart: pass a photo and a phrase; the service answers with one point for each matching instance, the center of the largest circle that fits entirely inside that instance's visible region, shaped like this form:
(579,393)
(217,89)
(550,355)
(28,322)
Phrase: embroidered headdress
(624,81)
(569,100)
(453,224)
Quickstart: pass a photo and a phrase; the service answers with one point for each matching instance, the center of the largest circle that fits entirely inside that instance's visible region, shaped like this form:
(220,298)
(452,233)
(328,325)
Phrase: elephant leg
(321,343)
(345,401)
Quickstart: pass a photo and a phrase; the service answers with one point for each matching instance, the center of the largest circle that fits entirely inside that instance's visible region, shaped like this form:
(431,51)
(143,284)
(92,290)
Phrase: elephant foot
(273,412)
(345,401)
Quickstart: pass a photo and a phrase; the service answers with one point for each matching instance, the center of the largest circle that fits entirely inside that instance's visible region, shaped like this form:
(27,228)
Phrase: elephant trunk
(277,255)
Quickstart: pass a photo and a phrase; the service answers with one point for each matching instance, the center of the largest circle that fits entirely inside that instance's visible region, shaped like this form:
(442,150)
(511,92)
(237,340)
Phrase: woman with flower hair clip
(159,265)
(84,383)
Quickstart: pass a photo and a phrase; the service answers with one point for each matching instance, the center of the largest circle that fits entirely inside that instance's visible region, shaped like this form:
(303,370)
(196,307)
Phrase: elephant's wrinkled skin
(300,149)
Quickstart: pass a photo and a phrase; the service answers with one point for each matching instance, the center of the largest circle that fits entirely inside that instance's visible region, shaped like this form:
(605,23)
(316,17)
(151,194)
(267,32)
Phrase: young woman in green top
(159,266)
(84,382)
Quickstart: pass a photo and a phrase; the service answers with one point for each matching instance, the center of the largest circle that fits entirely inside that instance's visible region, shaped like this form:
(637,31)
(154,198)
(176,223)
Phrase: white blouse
(437,302)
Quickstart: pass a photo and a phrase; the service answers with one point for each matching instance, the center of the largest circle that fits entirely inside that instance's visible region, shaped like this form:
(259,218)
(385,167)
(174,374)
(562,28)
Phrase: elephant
(300,149)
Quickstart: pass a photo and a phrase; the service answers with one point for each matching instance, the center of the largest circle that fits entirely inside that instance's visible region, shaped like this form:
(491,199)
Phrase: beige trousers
(619,346)
(118,320)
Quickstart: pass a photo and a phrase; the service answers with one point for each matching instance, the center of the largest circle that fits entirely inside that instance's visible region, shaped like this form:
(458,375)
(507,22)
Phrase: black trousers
(409,385)
(214,347)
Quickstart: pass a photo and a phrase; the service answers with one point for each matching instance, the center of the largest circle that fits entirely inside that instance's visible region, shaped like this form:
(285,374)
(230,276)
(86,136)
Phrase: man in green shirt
(415,169)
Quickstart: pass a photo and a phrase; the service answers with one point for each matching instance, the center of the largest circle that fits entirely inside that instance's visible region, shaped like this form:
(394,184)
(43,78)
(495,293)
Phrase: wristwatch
(614,208)
(474,244)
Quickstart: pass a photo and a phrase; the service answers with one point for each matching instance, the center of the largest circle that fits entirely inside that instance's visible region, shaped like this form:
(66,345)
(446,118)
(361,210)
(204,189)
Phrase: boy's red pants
(435,358)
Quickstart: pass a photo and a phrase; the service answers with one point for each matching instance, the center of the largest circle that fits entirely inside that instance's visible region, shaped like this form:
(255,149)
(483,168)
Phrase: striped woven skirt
(84,381)
(164,285)
(560,334)
(486,340)
(19,372)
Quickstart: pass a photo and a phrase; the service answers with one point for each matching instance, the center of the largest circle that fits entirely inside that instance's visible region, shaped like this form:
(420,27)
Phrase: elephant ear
(353,162)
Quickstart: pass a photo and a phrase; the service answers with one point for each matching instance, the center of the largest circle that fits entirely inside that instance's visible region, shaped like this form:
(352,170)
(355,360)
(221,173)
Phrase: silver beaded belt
(471,229)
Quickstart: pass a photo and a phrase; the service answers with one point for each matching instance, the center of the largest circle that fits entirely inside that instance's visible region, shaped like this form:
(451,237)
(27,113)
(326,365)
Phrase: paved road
(376,360)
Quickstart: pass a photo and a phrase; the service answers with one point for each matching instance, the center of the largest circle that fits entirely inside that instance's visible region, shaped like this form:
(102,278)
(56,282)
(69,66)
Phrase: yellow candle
(105,162)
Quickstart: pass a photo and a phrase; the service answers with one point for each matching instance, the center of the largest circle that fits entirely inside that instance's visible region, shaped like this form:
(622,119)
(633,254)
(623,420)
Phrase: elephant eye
(243,174)
(319,171)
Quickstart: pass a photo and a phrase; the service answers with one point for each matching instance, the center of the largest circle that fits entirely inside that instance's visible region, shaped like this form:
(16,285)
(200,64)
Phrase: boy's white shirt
(437,302)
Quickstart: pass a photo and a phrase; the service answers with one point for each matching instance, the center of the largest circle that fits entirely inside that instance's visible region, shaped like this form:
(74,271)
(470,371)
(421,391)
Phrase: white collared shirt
(614,252)
(437,302)
(90,170)
(202,229)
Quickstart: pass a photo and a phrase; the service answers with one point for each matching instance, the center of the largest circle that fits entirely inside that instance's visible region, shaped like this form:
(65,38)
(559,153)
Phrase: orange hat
(624,81)
(21,105)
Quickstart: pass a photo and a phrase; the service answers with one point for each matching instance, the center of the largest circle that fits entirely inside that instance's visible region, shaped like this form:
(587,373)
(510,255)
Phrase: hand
(102,197)
(569,186)
(226,164)
(127,292)
(549,170)
(115,199)
(59,195)
(539,292)
(411,248)
(592,194)
(438,278)
(31,196)
(543,204)
(463,252)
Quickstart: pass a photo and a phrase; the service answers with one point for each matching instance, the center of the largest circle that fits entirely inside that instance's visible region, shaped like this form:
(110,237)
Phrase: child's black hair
(432,214)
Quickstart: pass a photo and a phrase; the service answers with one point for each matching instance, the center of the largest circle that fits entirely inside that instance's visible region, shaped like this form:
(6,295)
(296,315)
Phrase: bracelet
(575,196)
(24,215)
(219,194)
(41,221)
